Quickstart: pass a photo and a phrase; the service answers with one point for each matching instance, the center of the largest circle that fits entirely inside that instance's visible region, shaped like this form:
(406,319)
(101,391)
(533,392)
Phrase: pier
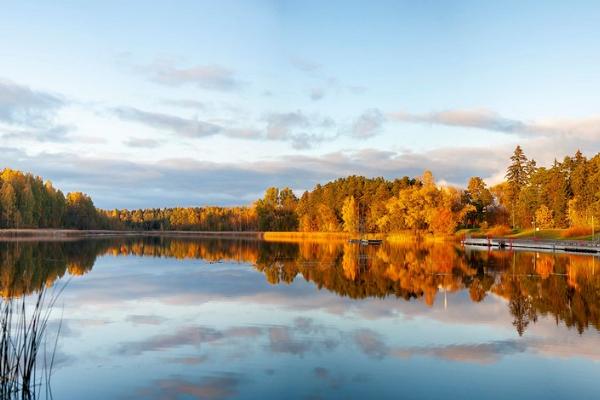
(571,246)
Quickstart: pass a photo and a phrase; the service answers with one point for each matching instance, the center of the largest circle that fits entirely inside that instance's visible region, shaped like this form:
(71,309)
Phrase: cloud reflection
(185,336)
(212,387)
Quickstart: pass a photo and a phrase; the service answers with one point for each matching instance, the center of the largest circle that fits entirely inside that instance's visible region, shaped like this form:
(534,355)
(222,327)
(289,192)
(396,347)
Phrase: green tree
(8,203)
(518,171)
(26,207)
(480,197)
(517,175)
(276,211)
(81,212)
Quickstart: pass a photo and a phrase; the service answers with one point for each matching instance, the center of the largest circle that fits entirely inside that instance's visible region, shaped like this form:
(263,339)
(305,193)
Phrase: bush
(499,230)
(576,231)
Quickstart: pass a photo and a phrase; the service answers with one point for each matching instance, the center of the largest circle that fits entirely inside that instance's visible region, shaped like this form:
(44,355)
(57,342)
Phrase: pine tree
(517,176)
(518,171)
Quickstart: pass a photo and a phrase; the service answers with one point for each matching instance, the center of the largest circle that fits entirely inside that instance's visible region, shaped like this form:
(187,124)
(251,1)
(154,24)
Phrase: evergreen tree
(517,175)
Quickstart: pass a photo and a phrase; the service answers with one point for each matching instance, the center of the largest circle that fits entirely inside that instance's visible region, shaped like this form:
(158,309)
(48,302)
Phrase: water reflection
(165,317)
(566,287)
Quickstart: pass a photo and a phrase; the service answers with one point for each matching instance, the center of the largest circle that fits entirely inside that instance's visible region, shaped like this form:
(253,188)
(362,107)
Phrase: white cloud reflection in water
(179,326)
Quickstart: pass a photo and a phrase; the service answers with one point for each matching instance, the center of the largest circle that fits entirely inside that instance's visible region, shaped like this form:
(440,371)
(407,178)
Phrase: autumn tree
(350,215)
(8,204)
(543,217)
(424,207)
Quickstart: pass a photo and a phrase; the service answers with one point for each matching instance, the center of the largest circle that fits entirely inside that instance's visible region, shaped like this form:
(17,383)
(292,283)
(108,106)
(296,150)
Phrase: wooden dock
(366,242)
(570,246)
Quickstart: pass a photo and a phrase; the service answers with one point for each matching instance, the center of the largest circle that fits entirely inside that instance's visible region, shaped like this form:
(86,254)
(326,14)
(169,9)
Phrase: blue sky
(192,103)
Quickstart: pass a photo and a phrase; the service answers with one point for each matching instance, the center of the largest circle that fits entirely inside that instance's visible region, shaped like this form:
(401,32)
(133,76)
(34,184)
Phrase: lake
(183,318)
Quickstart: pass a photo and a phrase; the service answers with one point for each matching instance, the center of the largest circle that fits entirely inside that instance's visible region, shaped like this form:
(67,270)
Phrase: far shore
(74,234)
(409,236)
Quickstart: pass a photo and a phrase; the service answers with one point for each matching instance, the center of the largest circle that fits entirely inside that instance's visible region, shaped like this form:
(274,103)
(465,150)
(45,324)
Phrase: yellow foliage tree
(544,217)
(350,215)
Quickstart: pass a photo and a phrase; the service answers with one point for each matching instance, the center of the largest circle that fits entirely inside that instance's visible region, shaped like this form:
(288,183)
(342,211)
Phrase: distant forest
(566,194)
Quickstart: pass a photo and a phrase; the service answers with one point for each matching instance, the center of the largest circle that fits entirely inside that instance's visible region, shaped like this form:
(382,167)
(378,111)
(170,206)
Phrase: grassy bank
(396,237)
(548,234)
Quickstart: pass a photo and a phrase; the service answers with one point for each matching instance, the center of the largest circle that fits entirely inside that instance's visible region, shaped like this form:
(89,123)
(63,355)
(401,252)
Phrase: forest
(563,195)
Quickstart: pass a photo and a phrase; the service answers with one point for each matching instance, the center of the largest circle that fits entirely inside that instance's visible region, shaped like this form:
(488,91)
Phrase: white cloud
(302,130)
(21,105)
(211,76)
(305,65)
(30,115)
(141,143)
(186,103)
(181,126)
(582,128)
(368,124)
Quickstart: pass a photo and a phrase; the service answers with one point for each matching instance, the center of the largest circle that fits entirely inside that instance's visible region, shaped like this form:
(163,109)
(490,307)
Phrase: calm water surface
(165,318)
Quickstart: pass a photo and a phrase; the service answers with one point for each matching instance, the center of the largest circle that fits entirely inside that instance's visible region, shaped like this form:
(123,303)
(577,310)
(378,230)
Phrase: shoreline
(74,234)
(554,245)
(63,234)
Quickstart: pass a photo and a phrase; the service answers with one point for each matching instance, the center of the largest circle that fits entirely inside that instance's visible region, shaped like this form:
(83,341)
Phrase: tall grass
(403,237)
(499,230)
(576,231)
(25,362)
(312,236)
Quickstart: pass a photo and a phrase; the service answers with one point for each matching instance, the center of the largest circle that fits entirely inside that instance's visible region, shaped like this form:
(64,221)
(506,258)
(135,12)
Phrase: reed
(300,236)
(417,236)
(402,237)
(25,362)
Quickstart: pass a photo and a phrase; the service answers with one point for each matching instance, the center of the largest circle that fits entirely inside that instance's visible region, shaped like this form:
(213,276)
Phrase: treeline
(359,204)
(352,204)
(185,218)
(26,201)
(567,194)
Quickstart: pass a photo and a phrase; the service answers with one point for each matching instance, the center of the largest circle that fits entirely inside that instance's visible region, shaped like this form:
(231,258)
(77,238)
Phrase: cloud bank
(581,128)
(180,181)
(29,114)
(20,105)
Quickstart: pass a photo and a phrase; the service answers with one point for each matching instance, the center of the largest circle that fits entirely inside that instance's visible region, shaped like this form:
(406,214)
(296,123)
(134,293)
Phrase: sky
(148,104)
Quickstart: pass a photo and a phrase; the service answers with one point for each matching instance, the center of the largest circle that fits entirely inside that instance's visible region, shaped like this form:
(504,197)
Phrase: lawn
(554,234)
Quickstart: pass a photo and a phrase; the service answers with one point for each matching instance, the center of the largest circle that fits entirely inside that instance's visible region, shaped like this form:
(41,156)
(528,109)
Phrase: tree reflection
(563,286)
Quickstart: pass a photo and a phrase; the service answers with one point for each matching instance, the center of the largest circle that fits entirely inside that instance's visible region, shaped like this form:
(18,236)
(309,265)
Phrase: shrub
(499,230)
(576,231)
